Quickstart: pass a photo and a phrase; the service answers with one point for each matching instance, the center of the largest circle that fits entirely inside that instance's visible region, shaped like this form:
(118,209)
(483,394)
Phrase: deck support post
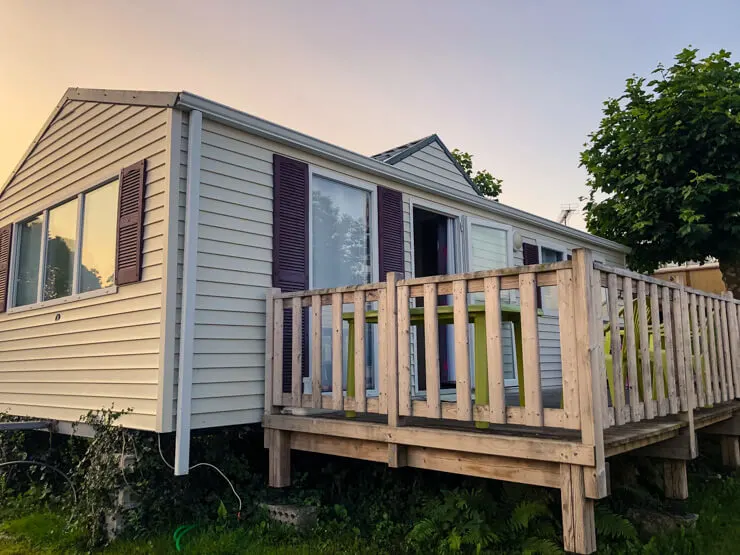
(579,528)
(730,451)
(676,484)
(279,472)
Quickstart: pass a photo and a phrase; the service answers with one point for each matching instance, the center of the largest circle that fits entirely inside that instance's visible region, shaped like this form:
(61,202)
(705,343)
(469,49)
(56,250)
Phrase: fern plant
(471,521)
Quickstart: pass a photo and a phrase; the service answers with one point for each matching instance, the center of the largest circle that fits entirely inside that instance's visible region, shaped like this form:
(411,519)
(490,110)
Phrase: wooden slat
(277,356)
(494,351)
(657,351)
(686,328)
(673,400)
(568,346)
(337,388)
(589,341)
(316,350)
(269,350)
(404,352)
(720,352)
(462,362)
(431,349)
(476,285)
(647,382)
(359,313)
(631,350)
(541,270)
(726,350)
(393,351)
(708,377)
(734,338)
(678,343)
(598,322)
(383,362)
(296,367)
(616,352)
(531,351)
(695,343)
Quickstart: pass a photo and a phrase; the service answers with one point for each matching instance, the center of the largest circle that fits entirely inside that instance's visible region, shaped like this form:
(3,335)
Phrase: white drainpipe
(187,318)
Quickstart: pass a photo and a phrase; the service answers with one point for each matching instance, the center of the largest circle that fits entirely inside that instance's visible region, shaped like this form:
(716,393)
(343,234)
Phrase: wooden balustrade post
(269,342)
(395,451)
(589,343)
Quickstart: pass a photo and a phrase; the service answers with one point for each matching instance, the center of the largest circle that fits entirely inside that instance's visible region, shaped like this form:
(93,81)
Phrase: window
(69,249)
(341,254)
(550,294)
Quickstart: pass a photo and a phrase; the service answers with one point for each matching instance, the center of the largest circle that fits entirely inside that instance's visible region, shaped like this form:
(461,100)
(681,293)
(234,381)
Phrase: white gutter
(187,318)
(263,128)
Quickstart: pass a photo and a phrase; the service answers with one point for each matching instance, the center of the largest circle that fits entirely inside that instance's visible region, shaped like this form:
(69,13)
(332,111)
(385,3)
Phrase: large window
(68,249)
(341,254)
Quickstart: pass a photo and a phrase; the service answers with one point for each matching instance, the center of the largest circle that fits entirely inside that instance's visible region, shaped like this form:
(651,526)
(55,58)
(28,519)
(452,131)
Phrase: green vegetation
(362,508)
(488,186)
(664,174)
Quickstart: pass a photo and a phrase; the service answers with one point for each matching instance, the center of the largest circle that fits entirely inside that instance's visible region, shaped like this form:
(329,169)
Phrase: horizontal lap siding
(234,269)
(104,351)
(432,164)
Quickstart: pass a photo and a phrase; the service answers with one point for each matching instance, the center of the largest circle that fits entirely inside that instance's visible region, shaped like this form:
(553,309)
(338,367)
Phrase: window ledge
(64,300)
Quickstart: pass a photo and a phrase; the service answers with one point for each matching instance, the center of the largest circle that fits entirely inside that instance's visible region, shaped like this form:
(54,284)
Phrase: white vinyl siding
(234,270)
(431,163)
(61,361)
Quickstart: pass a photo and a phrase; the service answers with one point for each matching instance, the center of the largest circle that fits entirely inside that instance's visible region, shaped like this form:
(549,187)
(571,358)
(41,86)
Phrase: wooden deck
(645,366)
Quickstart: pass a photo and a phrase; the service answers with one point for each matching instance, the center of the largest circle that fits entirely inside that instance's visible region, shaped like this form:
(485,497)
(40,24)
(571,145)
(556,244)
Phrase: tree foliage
(664,165)
(488,185)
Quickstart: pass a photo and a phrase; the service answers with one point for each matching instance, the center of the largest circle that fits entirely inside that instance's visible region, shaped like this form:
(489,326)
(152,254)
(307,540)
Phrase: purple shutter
(390,232)
(531,255)
(290,245)
(6,234)
(130,231)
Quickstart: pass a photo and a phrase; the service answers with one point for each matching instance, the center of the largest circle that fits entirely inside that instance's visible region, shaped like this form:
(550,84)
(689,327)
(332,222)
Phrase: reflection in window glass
(29,253)
(340,234)
(60,250)
(99,238)
(340,255)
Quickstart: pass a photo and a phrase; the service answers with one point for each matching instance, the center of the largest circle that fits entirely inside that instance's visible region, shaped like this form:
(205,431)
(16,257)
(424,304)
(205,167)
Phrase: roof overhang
(283,135)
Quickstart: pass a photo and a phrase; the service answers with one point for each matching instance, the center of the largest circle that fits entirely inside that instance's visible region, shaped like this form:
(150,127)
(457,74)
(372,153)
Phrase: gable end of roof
(395,155)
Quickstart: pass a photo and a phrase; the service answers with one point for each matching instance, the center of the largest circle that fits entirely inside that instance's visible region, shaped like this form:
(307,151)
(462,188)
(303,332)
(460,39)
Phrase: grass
(39,531)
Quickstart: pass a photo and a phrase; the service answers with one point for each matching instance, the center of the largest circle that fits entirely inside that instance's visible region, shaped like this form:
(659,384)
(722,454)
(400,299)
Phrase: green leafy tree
(664,166)
(488,185)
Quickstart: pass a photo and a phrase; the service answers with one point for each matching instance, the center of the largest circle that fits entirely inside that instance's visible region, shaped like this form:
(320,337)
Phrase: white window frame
(15,255)
(348,181)
(457,255)
(553,247)
(471,221)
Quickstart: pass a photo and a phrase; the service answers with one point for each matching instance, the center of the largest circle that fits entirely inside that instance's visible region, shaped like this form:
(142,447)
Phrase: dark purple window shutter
(570,257)
(531,255)
(130,231)
(390,232)
(6,234)
(290,245)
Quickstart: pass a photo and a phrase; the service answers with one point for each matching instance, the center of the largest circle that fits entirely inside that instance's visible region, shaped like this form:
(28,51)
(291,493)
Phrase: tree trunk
(730,269)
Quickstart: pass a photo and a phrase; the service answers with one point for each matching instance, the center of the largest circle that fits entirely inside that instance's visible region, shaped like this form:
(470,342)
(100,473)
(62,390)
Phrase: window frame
(347,181)
(15,255)
(556,247)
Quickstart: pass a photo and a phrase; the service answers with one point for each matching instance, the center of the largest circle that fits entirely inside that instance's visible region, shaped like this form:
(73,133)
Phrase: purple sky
(517,84)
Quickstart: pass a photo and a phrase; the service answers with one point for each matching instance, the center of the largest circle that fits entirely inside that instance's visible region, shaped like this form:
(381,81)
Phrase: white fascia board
(263,128)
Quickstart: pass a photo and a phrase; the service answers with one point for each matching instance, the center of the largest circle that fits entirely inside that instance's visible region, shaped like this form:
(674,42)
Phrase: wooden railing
(632,347)
(676,348)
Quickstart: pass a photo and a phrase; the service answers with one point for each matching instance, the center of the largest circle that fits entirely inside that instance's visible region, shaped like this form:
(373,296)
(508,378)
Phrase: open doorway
(435,254)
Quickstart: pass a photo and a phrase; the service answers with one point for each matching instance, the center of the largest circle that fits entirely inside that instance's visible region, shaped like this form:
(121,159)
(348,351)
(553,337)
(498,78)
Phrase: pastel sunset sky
(517,84)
